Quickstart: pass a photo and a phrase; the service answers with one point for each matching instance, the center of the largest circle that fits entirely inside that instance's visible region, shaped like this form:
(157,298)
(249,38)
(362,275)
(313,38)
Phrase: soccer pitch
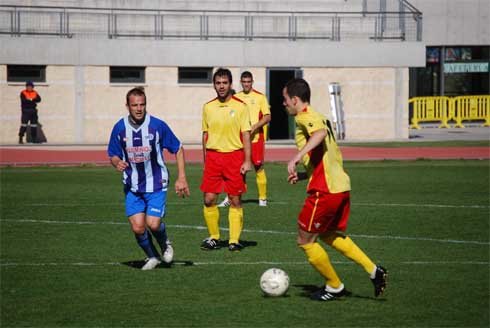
(67,255)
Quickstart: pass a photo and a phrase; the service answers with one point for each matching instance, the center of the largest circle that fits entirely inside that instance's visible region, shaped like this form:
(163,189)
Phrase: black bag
(40,138)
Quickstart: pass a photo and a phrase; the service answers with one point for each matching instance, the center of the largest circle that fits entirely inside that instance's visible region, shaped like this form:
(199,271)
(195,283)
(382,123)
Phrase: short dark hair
(299,88)
(29,84)
(246,74)
(222,72)
(138,91)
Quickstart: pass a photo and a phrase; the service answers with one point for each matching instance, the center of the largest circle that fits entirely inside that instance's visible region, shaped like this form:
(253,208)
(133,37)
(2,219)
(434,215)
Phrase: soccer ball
(274,282)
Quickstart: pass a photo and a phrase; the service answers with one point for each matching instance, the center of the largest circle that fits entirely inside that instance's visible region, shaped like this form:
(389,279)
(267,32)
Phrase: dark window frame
(127,74)
(23,73)
(195,75)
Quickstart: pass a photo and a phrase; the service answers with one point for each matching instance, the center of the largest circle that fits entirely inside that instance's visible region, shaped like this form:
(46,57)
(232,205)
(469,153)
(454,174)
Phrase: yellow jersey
(324,163)
(258,107)
(224,123)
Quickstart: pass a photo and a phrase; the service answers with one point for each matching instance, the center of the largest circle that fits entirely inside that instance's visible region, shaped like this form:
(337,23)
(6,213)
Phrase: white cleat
(225,203)
(151,264)
(263,202)
(168,253)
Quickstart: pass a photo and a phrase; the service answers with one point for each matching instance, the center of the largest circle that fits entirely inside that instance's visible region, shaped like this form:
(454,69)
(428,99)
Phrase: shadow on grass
(307,290)
(138,264)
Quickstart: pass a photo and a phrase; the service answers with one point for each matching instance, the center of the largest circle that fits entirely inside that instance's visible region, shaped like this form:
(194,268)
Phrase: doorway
(281,125)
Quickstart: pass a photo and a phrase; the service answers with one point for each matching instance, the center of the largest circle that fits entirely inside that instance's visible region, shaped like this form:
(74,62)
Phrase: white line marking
(272,203)
(272,263)
(192,227)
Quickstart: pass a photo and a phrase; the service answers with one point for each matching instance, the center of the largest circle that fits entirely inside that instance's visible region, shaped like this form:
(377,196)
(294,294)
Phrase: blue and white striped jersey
(142,149)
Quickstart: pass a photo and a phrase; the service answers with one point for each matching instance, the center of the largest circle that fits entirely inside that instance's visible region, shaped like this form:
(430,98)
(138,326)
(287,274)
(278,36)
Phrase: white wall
(455,22)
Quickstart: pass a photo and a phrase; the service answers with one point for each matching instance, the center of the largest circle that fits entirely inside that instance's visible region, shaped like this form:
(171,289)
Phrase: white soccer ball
(274,282)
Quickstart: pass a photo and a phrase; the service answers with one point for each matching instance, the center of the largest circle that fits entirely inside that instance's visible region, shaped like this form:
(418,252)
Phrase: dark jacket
(29,99)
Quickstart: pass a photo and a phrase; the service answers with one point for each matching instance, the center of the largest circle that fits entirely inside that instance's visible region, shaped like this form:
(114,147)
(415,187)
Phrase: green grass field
(67,253)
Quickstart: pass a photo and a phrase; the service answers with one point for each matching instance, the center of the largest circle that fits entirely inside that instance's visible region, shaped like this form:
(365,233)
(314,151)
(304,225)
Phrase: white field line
(271,203)
(192,227)
(221,263)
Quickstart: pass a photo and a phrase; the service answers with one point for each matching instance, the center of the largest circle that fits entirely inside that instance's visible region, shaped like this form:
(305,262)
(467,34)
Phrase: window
(127,74)
(195,74)
(23,73)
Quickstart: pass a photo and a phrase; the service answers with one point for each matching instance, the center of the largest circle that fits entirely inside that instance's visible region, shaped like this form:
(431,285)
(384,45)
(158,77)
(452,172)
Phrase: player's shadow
(245,243)
(248,201)
(307,290)
(138,264)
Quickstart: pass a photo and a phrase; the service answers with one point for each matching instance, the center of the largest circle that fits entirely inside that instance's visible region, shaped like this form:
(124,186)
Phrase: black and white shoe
(235,247)
(323,295)
(210,244)
(379,280)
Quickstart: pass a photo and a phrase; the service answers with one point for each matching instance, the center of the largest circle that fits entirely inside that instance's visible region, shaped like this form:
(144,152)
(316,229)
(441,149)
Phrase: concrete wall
(455,22)
(81,106)
(274,53)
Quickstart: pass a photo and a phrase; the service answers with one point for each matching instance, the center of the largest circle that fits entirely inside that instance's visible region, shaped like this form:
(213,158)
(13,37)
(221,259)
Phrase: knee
(138,230)
(154,226)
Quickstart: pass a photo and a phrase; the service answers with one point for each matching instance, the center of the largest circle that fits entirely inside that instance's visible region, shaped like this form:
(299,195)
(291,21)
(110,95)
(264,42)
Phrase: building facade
(85,55)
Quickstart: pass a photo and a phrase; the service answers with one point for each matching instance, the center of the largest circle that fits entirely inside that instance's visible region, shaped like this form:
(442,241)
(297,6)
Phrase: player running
(136,149)
(325,212)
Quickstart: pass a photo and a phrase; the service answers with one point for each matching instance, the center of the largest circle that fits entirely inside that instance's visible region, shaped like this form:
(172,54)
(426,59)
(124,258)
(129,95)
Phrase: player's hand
(246,166)
(293,178)
(182,188)
(121,166)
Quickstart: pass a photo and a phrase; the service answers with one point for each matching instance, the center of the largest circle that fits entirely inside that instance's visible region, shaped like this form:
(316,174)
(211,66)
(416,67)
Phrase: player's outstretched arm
(181,186)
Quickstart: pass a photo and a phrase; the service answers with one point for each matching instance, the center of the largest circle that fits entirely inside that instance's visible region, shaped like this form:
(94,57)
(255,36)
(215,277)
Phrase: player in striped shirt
(136,149)
(226,148)
(325,213)
(260,116)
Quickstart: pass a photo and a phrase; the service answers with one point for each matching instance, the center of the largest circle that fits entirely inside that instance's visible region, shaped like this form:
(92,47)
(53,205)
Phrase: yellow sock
(235,220)
(211,216)
(261,183)
(318,258)
(349,249)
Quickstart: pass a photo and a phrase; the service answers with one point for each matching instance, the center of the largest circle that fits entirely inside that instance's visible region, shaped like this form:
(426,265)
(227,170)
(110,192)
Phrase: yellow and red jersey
(258,106)
(324,163)
(224,123)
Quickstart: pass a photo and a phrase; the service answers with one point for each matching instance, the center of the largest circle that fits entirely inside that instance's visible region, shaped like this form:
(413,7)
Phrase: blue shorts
(151,203)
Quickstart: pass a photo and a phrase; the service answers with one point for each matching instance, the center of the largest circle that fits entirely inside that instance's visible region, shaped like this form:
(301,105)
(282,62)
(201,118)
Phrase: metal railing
(78,22)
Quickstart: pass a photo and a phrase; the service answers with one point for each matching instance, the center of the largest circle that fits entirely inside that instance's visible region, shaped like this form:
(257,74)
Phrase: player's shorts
(151,203)
(222,172)
(325,212)
(258,150)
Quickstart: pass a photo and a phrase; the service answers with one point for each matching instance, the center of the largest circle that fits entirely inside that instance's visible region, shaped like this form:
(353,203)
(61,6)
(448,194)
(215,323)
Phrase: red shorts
(222,172)
(325,212)
(258,149)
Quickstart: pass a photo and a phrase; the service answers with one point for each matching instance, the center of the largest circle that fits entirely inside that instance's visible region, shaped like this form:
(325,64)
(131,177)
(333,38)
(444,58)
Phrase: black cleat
(323,295)
(21,141)
(379,280)
(210,244)
(235,247)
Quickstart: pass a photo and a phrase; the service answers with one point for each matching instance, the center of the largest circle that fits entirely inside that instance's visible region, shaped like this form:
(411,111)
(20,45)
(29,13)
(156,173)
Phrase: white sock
(334,290)
(373,274)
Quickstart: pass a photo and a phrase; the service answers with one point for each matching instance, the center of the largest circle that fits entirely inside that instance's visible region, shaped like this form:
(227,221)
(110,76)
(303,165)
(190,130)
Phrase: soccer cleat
(323,295)
(151,263)
(379,280)
(21,141)
(235,247)
(210,244)
(225,203)
(263,202)
(168,253)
